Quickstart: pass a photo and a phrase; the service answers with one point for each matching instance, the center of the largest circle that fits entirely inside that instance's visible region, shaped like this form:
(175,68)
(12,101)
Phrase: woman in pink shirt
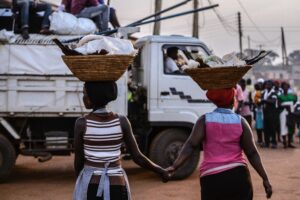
(225,135)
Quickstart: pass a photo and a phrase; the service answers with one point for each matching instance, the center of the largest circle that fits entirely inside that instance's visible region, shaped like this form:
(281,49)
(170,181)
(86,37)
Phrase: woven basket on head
(98,67)
(218,77)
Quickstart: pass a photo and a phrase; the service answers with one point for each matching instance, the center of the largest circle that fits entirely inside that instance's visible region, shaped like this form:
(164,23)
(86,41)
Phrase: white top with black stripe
(102,141)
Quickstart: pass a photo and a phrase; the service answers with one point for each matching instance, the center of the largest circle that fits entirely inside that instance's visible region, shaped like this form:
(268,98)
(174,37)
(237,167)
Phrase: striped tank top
(102,139)
(221,147)
(102,143)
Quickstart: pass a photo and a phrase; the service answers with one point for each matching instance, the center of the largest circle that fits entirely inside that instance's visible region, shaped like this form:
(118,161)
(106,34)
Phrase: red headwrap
(221,97)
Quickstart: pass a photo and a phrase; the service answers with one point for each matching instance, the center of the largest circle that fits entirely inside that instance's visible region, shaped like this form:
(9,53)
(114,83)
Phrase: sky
(261,21)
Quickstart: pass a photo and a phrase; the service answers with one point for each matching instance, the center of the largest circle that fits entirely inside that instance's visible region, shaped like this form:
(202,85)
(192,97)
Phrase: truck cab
(174,100)
(40,100)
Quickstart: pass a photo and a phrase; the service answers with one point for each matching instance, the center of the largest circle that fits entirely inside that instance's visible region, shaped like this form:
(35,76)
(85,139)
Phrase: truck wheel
(7,158)
(165,148)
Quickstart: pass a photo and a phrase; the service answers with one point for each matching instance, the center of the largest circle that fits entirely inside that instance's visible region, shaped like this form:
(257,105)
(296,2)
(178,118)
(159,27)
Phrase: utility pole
(249,46)
(285,62)
(156,29)
(240,33)
(196,20)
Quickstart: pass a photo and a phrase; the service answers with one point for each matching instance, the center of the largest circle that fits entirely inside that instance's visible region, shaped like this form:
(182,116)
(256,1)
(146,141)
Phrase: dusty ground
(55,180)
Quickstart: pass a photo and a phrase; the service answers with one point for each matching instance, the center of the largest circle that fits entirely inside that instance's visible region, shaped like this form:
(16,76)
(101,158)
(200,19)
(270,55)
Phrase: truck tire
(165,148)
(7,158)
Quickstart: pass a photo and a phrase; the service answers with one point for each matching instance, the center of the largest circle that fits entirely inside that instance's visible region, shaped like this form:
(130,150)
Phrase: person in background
(225,135)
(297,117)
(286,103)
(269,101)
(113,19)
(245,110)
(170,61)
(279,92)
(258,114)
(98,138)
(25,6)
(89,9)
(239,98)
(250,87)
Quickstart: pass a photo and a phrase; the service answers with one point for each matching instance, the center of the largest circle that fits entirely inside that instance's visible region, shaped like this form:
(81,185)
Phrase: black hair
(242,81)
(284,84)
(257,86)
(101,93)
(170,50)
(249,81)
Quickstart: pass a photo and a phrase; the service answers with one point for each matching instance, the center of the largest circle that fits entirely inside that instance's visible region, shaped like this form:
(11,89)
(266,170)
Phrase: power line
(264,42)
(226,26)
(246,12)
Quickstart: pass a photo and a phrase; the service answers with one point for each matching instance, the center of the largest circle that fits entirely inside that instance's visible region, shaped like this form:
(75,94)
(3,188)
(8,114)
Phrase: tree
(294,57)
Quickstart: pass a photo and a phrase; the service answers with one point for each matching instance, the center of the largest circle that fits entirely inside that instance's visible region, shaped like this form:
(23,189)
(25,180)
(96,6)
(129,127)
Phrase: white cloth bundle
(95,43)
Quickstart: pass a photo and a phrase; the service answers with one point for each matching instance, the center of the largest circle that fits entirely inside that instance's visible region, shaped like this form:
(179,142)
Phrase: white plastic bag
(7,36)
(94,43)
(232,60)
(84,26)
(63,23)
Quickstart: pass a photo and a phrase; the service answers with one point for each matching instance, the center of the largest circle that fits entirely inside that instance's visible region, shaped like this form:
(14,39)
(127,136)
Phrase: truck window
(176,56)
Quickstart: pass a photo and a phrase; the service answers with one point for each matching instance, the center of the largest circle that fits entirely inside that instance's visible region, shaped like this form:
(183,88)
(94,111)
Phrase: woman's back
(222,149)
(102,139)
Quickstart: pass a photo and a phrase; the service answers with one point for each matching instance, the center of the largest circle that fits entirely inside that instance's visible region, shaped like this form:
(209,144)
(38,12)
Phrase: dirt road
(54,180)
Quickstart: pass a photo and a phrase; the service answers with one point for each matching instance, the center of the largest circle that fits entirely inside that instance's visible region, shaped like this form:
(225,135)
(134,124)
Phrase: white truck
(40,100)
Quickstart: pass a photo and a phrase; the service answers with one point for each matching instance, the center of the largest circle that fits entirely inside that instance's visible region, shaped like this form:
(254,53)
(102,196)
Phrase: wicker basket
(217,78)
(98,67)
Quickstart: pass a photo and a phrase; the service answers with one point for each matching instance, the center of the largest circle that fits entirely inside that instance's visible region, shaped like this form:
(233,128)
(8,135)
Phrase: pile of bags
(214,61)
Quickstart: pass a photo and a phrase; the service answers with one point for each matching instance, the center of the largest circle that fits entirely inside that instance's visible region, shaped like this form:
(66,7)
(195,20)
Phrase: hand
(164,174)
(268,188)
(167,174)
(171,171)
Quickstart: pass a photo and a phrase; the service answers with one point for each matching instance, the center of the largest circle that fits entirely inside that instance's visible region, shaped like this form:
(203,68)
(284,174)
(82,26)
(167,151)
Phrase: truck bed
(34,81)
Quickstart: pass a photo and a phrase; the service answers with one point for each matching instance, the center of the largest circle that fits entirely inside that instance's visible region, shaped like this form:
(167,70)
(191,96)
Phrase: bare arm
(192,144)
(80,127)
(131,144)
(248,145)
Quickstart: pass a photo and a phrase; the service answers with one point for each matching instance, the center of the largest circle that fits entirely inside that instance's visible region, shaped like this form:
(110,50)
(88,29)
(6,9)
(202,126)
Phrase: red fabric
(76,6)
(221,97)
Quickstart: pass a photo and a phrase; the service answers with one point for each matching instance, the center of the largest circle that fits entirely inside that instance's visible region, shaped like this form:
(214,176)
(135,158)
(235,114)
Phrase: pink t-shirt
(221,147)
(245,109)
(238,96)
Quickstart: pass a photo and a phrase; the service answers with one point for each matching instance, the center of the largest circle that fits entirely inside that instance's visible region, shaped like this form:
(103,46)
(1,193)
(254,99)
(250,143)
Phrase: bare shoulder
(245,123)
(200,121)
(80,123)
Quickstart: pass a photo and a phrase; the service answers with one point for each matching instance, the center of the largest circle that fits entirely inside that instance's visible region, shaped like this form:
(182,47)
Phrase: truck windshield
(176,56)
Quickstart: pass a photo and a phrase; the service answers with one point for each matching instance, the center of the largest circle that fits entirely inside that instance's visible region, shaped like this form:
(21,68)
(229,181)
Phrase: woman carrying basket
(224,135)
(98,139)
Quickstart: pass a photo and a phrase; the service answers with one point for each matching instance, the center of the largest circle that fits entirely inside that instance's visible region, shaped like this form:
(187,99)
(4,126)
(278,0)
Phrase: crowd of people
(274,108)
(96,10)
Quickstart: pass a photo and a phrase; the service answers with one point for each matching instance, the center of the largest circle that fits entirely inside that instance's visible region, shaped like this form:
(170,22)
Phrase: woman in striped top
(224,135)
(98,139)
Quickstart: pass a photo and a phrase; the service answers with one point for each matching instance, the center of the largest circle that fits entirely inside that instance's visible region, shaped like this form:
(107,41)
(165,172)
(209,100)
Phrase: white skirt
(283,127)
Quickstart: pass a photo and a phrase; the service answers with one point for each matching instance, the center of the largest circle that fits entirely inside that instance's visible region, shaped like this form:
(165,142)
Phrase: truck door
(180,99)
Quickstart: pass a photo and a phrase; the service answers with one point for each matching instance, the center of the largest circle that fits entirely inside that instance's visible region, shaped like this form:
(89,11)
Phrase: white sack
(62,23)
(84,26)
(67,24)
(7,36)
